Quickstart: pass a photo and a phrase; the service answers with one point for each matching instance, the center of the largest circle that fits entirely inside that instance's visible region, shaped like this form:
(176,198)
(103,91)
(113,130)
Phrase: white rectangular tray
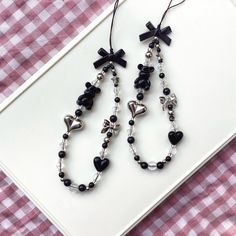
(200,67)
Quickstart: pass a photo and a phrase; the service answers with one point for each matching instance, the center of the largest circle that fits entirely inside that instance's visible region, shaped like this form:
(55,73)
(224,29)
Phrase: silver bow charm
(108,126)
(170,100)
(73,123)
(136,108)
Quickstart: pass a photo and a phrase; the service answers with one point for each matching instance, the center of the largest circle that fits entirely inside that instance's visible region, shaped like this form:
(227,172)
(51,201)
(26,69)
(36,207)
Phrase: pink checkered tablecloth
(32,32)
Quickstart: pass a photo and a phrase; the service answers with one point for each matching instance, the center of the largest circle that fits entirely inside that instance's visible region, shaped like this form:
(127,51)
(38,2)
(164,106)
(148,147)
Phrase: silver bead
(148,54)
(100,76)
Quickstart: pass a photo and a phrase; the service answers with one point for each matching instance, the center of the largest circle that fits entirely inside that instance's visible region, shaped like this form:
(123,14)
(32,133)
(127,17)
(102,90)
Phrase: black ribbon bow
(114,57)
(157,32)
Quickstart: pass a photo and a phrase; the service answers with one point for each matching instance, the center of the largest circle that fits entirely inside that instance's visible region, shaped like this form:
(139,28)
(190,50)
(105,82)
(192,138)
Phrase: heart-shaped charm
(175,137)
(101,164)
(73,123)
(136,108)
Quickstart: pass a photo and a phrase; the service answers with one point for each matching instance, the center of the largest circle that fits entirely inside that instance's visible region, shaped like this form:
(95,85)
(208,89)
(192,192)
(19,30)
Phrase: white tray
(200,65)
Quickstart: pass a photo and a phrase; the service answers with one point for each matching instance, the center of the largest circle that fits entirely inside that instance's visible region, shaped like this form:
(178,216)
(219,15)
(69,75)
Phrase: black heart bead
(100,164)
(175,137)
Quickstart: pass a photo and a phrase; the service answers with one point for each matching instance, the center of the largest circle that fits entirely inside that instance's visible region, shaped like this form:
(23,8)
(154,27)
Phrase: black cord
(168,8)
(112,23)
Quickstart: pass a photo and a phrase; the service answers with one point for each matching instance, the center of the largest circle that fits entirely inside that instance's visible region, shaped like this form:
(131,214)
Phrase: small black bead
(140,96)
(162,75)
(78,112)
(98,90)
(88,84)
(160,165)
(117,99)
(131,122)
(104,145)
(113,118)
(166,91)
(144,165)
(170,107)
(61,174)
(158,49)
(136,157)
(82,188)
(131,139)
(67,182)
(105,68)
(62,154)
(151,45)
(160,60)
(109,134)
(171,118)
(65,136)
(112,66)
(91,185)
(168,158)
(114,73)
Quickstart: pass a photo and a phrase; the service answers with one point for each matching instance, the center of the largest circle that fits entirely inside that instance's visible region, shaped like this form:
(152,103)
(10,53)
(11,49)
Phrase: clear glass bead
(74,187)
(116,91)
(130,130)
(63,144)
(60,164)
(103,153)
(152,165)
(173,150)
(96,177)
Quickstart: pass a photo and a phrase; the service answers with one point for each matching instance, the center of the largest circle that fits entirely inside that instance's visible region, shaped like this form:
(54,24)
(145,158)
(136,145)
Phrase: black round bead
(162,75)
(136,157)
(168,158)
(171,118)
(65,136)
(151,45)
(113,118)
(114,73)
(82,188)
(105,68)
(166,91)
(98,90)
(131,122)
(140,96)
(61,174)
(112,66)
(67,182)
(62,154)
(160,165)
(109,134)
(117,99)
(160,60)
(78,112)
(88,84)
(131,140)
(158,49)
(91,185)
(104,145)
(144,165)
(170,107)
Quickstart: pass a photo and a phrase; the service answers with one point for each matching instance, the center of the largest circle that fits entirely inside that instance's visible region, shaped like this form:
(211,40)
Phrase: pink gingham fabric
(205,205)
(18,215)
(31,33)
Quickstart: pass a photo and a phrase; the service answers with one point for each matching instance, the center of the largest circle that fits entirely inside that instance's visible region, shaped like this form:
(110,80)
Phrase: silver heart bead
(73,123)
(136,108)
